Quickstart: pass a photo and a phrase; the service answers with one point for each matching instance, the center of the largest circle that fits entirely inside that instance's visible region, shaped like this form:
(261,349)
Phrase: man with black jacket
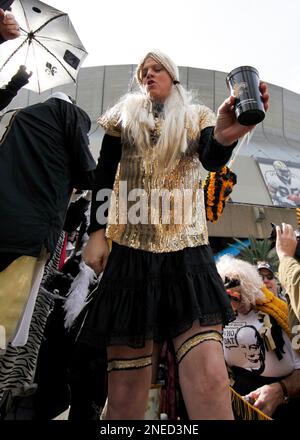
(44,154)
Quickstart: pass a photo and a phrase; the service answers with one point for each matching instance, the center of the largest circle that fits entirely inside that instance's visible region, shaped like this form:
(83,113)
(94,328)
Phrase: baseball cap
(264,265)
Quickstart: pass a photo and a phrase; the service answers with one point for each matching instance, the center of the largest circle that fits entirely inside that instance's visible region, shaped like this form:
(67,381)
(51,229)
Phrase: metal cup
(243,83)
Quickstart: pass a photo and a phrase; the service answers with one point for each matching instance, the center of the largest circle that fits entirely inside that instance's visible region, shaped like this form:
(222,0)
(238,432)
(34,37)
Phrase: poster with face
(249,341)
(282,179)
(244,346)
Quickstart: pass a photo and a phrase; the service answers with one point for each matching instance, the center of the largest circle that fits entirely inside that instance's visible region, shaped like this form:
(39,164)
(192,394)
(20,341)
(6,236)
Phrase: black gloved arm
(20,79)
(213,155)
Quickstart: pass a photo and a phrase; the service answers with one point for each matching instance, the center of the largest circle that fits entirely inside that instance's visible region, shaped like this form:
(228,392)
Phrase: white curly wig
(250,281)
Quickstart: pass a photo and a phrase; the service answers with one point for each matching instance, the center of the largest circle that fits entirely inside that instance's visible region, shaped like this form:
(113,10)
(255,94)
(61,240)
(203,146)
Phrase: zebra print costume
(18,364)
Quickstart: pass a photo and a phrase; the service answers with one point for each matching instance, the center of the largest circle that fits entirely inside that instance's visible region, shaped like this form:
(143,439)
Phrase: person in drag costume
(160,281)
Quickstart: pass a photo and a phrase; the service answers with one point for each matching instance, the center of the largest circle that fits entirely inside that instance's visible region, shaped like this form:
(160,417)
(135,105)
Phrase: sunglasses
(269,277)
(229,283)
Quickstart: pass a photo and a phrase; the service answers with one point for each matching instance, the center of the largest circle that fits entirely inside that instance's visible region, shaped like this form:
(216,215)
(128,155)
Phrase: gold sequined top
(158,212)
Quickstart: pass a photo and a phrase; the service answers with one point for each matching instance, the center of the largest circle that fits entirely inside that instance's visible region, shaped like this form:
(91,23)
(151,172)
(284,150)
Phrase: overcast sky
(209,34)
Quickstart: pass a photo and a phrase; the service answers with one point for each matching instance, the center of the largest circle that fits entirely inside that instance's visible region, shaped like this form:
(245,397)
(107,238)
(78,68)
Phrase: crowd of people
(140,282)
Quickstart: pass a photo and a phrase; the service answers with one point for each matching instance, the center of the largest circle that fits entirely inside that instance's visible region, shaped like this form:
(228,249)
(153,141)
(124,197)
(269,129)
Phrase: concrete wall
(242,220)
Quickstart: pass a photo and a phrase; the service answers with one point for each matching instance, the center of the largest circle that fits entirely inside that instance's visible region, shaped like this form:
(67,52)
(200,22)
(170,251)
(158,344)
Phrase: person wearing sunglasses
(266,272)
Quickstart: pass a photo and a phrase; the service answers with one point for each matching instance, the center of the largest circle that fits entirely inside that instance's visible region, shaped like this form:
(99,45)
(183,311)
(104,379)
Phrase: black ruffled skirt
(154,296)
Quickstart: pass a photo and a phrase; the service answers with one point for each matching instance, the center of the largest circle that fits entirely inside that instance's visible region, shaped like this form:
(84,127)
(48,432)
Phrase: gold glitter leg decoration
(193,341)
(129,364)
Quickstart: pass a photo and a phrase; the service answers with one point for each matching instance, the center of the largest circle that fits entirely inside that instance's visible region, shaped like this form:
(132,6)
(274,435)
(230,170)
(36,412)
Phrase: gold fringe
(244,410)
(298,217)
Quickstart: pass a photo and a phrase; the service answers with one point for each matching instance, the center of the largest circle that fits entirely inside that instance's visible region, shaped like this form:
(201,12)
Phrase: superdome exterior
(276,138)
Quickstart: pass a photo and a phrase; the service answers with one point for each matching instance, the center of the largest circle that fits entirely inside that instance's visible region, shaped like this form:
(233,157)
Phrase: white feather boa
(79,290)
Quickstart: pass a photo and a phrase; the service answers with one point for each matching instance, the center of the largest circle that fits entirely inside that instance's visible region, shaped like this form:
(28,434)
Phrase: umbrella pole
(27,52)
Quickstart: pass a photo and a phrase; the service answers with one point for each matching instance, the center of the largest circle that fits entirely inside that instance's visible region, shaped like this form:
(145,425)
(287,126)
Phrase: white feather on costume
(78,293)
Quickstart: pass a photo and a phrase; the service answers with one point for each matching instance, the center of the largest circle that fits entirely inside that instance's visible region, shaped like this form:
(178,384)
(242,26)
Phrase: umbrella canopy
(48,46)
(5,4)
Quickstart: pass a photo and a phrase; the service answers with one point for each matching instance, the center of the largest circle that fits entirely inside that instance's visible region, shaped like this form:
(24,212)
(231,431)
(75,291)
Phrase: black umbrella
(48,46)
(5,4)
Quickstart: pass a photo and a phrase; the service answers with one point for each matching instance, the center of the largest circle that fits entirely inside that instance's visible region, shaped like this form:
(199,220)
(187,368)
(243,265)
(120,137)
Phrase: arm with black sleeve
(212,154)
(105,174)
(96,252)
(8,92)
